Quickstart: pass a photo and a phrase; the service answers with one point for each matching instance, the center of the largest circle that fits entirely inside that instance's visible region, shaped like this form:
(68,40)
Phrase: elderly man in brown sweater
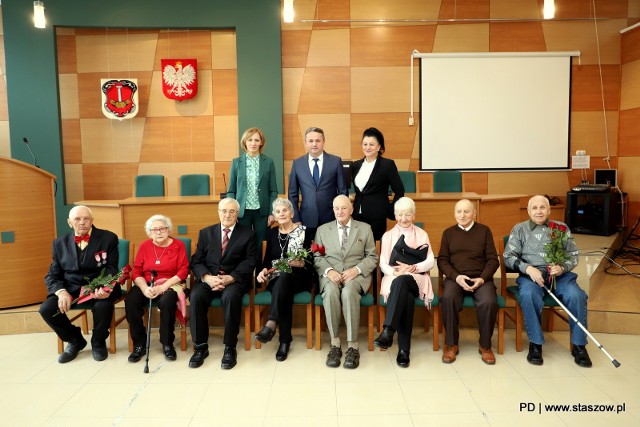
(468,259)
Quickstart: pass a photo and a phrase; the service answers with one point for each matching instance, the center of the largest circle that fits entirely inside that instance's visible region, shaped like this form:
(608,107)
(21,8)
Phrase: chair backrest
(123,253)
(149,186)
(409,181)
(195,185)
(447,182)
(187,244)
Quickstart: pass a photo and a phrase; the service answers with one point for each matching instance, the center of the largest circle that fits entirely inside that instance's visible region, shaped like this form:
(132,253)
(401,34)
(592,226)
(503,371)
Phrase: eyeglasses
(158,230)
(230,211)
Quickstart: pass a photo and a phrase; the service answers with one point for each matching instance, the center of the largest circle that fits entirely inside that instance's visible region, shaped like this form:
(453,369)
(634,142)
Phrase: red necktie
(79,239)
(225,240)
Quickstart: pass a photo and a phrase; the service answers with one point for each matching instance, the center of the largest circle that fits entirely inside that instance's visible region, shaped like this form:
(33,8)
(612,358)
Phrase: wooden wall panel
(291,88)
(226,138)
(586,91)
(183,44)
(108,180)
(68,89)
(66,46)
(225,92)
(170,140)
(293,146)
(111,141)
(384,9)
(464,9)
(389,46)
(316,98)
(380,89)
(629,144)
(116,52)
(295,48)
(582,9)
(630,97)
(72,147)
(223,50)
(221,168)
(462,38)
(631,46)
(75,181)
(398,137)
(475,182)
(329,48)
(337,131)
(629,176)
(516,37)
(588,132)
(551,183)
(580,35)
(509,9)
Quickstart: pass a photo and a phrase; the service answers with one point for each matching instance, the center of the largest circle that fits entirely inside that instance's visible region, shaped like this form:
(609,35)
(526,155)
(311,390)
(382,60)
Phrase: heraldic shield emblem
(179,78)
(119,98)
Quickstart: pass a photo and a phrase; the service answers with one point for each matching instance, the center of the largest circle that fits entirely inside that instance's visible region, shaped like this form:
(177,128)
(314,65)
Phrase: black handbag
(407,255)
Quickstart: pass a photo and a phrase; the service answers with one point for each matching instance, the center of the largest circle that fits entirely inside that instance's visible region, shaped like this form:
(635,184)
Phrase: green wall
(31,72)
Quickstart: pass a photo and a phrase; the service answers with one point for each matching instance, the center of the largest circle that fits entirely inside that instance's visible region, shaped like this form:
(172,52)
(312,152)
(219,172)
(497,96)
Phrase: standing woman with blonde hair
(252,182)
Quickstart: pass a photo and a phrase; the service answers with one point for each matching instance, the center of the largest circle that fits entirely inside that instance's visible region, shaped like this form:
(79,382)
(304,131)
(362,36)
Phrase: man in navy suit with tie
(223,266)
(318,178)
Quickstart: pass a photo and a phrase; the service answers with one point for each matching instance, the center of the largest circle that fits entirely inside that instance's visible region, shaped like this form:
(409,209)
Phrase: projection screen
(495,111)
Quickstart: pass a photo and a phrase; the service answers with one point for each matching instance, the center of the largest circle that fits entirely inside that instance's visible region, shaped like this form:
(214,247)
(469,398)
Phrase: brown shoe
(449,353)
(487,355)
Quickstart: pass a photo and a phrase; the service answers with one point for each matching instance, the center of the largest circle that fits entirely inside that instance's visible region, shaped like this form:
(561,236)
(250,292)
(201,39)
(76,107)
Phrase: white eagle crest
(179,79)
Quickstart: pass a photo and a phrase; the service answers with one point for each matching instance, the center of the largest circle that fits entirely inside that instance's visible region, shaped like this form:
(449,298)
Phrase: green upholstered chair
(154,303)
(149,186)
(447,181)
(195,185)
(513,293)
(409,181)
(262,301)
(123,259)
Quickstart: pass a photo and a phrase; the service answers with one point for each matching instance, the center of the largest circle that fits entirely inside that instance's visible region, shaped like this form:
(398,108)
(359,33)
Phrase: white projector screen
(495,111)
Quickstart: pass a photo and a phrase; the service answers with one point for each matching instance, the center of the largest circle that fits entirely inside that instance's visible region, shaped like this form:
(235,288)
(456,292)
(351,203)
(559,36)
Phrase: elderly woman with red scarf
(402,282)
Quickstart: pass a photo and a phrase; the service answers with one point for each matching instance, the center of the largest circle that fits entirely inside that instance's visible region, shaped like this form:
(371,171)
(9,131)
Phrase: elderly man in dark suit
(345,275)
(223,265)
(317,177)
(78,256)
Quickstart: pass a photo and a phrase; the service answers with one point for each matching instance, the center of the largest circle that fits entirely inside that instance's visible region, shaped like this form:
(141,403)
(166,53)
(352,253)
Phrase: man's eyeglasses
(158,230)
(230,211)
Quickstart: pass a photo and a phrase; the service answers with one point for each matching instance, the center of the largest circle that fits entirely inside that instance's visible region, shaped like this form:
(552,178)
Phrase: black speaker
(591,213)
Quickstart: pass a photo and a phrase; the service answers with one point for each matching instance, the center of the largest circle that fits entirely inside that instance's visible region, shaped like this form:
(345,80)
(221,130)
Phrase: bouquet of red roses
(281,265)
(554,252)
(101,282)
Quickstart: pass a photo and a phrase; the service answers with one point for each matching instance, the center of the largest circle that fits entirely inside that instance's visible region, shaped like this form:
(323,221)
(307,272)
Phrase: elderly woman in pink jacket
(405,277)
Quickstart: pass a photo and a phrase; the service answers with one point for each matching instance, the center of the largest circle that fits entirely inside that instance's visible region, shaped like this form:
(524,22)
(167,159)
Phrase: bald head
(342,209)
(464,213)
(539,209)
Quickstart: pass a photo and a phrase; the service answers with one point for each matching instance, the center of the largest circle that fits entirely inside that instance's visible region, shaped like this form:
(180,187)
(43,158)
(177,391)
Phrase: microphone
(35,161)
(224,193)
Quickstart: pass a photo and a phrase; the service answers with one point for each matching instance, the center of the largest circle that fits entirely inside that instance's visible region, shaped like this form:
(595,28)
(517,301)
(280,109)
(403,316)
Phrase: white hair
(157,217)
(404,204)
(227,200)
(74,210)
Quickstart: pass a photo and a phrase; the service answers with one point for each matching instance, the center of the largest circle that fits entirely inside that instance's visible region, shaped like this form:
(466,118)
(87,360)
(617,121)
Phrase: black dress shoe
(385,340)
(229,357)
(197,359)
(99,353)
(72,350)
(352,359)
(333,358)
(403,358)
(535,354)
(265,335)
(169,352)
(137,353)
(283,351)
(580,356)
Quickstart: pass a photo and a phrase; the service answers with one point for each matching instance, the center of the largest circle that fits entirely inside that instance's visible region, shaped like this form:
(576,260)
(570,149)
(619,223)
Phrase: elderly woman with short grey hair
(166,259)
(403,282)
(281,240)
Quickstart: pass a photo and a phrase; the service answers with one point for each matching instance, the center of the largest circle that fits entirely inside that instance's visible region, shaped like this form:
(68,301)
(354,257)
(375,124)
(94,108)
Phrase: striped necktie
(225,240)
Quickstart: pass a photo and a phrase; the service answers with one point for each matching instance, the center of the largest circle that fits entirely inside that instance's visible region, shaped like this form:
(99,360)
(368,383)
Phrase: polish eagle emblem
(179,78)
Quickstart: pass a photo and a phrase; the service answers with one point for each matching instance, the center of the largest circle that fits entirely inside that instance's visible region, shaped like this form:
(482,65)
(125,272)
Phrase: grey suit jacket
(360,252)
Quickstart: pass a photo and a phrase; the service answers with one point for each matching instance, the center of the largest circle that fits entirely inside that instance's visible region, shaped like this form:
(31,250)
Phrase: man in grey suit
(318,178)
(345,275)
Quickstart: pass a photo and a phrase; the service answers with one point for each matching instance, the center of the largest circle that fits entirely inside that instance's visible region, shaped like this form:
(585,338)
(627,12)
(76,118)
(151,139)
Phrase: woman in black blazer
(372,177)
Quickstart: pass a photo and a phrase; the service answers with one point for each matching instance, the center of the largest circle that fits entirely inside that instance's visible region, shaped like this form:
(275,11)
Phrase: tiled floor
(36,390)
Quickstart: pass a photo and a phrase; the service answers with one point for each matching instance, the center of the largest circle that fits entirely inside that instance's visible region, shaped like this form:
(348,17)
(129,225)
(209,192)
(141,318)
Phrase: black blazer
(68,272)
(239,259)
(374,197)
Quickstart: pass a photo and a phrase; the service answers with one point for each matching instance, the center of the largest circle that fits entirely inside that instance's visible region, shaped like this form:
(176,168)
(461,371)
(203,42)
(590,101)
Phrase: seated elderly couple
(225,259)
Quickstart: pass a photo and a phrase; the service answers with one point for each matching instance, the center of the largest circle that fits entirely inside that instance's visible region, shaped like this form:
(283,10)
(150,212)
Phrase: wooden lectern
(28,226)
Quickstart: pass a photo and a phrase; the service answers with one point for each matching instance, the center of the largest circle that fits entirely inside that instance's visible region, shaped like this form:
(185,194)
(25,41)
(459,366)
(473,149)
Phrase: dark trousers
(400,307)
(484,299)
(102,310)
(283,288)
(200,299)
(252,218)
(134,306)
(378,226)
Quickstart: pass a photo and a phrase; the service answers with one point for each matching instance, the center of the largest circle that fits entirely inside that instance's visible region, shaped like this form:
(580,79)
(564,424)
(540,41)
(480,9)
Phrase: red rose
(553,225)
(562,228)
(316,248)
